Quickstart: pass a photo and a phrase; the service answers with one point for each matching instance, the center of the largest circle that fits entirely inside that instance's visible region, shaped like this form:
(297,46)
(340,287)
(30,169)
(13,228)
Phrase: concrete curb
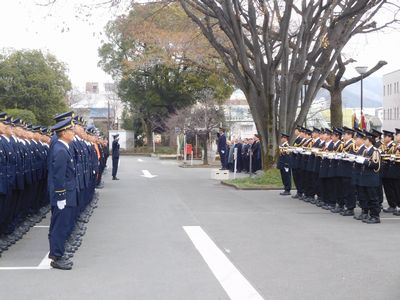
(198,166)
(251,188)
(135,154)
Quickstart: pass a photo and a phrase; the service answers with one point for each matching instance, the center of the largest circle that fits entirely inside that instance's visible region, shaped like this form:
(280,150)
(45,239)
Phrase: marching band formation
(33,182)
(338,168)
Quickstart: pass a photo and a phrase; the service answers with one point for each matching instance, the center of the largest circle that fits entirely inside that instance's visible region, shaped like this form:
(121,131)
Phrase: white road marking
(41,226)
(44,265)
(234,283)
(147,174)
(140,160)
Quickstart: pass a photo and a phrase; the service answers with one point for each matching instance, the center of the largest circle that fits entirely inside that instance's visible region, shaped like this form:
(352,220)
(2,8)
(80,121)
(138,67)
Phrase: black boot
(372,220)
(347,212)
(364,215)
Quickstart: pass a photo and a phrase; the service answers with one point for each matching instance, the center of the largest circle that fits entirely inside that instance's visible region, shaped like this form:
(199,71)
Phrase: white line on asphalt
(233,282)
(398,219)
(19,268)
(44,265)
(147,174)
(41,226)
(140,160)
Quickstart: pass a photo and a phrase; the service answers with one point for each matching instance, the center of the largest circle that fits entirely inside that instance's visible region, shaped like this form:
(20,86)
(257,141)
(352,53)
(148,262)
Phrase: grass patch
(270,179)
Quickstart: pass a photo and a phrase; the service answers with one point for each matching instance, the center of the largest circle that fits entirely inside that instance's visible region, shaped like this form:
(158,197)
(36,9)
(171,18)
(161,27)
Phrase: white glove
(286,170)
(360,160)
(61,204)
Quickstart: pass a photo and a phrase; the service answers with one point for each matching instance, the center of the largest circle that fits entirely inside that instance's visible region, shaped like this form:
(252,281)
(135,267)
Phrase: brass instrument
(391,157)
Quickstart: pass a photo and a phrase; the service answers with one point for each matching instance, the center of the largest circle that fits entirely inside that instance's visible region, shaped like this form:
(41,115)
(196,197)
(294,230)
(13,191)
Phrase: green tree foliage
(24,114)
(30,79)
(148,54)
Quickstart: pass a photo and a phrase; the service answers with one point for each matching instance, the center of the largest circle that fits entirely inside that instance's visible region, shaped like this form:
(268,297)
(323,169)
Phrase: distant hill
(373,96)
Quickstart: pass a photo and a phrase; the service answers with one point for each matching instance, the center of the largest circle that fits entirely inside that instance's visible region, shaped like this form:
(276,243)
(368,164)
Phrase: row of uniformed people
(25,152)
(335,169)
(23,178)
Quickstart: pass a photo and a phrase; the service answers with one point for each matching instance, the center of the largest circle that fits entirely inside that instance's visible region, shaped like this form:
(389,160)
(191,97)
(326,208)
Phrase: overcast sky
(63,30)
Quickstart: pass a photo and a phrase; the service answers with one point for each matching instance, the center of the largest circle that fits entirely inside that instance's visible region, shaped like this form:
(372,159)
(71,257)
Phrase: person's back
(115,157)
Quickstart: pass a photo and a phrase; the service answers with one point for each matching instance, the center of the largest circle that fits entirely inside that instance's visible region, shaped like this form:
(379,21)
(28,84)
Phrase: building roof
(100,113)
(90,100)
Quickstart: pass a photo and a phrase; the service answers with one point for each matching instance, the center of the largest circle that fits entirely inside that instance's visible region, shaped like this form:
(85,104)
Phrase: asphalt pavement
(181,235)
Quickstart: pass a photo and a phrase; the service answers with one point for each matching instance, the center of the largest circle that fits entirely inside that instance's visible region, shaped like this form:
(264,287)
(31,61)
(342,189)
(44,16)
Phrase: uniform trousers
(114,166)
(371,198)
(389,184)
(309,183)
(298,178)
(286,179)
(362,198)
(60,228)
(337,190)
(348,193)
(328,191)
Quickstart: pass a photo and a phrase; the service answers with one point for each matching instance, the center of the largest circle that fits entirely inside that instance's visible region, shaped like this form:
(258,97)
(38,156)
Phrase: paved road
(136,246)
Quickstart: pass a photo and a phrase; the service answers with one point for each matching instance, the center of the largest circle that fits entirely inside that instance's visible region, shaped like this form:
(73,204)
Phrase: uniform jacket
(357,167)
(63,175)
(388,169)
(115,150)
(222,143)
(284,158)
(370,169)
(325,162)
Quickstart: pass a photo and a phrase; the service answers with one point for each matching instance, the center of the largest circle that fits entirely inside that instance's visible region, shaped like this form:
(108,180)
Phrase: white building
(99,103)
(238,116)
(391,100)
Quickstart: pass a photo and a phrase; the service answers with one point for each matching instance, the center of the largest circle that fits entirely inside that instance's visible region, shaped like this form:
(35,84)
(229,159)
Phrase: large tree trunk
(336,107)
(263,114)
(205,146)
(149,135)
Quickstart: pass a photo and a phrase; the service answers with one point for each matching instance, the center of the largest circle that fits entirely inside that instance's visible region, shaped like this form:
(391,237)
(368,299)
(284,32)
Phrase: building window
(384,114)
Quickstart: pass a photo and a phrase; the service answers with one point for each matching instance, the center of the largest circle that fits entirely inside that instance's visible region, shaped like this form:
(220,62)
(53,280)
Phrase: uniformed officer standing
(324,173)
(62,186)
(222,148)
(283,165)
(389,171)
(370,162)
(295,162)
(115,156)
(346,168)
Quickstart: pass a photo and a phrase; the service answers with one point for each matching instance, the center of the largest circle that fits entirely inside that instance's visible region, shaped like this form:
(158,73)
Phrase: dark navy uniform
(346,169)
(284,168)
(295,166)
(115,157)
(222,150)
(369,181)
(388,174)
(325,176)
(64,195)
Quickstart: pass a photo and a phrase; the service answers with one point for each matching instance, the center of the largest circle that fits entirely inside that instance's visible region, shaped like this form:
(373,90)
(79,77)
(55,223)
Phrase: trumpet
(391,157)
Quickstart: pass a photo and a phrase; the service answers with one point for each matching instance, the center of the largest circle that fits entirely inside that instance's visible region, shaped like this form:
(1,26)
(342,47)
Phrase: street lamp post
(362,70)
